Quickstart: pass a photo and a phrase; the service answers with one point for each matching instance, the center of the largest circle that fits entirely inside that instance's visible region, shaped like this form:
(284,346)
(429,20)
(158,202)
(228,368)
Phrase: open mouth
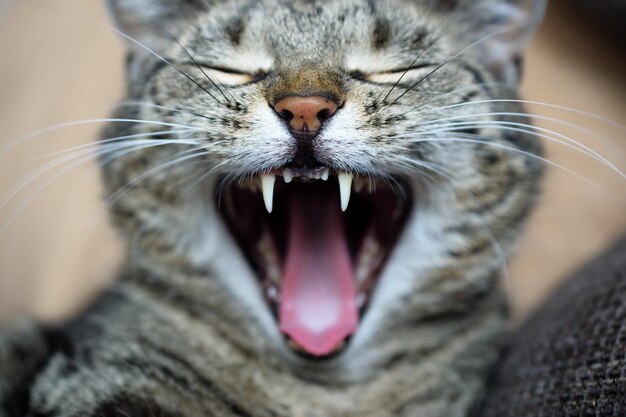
(318,240)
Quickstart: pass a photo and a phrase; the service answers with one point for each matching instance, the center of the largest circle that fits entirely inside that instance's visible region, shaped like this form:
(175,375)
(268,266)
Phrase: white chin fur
(405,270)
(215,247)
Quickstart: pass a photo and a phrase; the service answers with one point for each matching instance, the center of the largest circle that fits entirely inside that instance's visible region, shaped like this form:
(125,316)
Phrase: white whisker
(494,241)
(115,196)
(40,132)
(519,127)
(79,158)
(536,103)
(458,54)
(205,175)
(529,116)
(486,142)
(117,140)
(185,110)
(148,49)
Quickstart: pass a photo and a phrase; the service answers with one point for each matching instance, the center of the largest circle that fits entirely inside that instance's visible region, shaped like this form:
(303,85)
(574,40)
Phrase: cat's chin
(318,240)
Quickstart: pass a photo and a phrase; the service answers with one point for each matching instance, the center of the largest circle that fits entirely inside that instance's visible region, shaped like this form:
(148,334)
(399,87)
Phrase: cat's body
(186,330)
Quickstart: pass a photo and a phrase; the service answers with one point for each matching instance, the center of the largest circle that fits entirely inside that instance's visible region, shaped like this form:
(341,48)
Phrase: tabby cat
(318,199)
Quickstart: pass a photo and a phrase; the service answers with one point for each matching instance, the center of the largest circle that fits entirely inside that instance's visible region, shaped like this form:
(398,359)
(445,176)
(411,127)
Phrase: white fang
(345,187)
(267,186)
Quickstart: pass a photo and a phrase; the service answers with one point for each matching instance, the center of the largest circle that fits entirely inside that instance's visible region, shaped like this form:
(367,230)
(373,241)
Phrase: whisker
(536,103)
(200,67)
(593,116)
(436,168)
(532,130)
(226,181)
(456,91)
(455,56)
(132,103)
(205,175)
(77,160)
(419,55)
(43,170)
(151,51)
(64,125)
(109,141)
(533,116)
(491,236)
(463,138)
(115,196)
(135,41)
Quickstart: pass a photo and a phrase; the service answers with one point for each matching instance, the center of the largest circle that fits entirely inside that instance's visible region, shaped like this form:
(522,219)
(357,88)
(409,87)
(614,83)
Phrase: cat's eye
(393,76)
(231,77)
(358,75)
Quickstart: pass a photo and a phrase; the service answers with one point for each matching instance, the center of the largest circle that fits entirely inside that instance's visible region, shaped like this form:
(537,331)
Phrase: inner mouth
(318,240)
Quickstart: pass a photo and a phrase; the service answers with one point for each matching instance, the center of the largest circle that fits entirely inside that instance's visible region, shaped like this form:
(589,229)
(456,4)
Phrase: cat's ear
(151,22)
(501,30)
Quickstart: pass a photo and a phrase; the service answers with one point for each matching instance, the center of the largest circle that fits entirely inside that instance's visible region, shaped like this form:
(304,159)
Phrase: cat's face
(390,199)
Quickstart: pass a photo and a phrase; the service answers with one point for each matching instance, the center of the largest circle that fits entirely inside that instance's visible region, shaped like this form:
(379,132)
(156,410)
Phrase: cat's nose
(305,115)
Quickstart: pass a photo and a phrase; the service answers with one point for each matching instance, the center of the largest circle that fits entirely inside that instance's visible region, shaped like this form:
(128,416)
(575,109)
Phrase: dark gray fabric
(570,357)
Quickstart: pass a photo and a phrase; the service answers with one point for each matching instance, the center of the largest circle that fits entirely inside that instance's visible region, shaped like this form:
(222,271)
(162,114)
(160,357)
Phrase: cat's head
(392,199)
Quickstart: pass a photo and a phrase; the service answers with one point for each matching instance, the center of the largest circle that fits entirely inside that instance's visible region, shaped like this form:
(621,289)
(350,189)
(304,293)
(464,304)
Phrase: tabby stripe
(507,192)
(125,405)
(476,74)
(476,249)
(189,368)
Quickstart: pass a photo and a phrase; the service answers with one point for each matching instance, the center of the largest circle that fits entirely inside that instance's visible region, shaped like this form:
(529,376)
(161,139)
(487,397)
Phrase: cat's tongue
(318,299)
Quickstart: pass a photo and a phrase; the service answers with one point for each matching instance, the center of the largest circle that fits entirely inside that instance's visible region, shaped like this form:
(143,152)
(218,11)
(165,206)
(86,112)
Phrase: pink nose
(305,114)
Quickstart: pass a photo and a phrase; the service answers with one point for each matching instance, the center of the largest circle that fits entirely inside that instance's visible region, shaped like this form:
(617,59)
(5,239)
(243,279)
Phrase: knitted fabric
(570,357)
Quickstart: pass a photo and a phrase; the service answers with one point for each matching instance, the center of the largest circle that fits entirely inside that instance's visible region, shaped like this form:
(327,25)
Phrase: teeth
(325,174)
(267,186)
(272,293)
(345,186)
(287,175)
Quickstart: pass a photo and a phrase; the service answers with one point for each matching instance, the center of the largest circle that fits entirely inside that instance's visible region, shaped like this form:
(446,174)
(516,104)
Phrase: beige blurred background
(59,62)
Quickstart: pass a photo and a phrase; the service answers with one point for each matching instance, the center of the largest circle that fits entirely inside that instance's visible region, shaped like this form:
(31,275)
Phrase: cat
(318,199)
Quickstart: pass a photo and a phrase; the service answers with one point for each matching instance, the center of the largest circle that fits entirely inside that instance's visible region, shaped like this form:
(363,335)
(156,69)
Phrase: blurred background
(60,63)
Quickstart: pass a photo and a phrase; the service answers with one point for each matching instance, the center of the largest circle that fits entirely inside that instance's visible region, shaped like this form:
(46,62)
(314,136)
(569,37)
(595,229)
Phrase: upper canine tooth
(345,186)
(325,174)
(267,186)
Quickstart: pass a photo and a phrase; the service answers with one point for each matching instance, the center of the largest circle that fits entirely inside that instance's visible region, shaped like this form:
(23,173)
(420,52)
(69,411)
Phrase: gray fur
(185,330)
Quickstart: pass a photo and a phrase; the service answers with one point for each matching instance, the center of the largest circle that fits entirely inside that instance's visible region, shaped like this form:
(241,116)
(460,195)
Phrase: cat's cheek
(268,139)
(344,142)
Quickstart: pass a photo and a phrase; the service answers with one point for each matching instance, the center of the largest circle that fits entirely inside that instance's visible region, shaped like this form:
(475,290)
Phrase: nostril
(305,113)
(324,114)
(286,115)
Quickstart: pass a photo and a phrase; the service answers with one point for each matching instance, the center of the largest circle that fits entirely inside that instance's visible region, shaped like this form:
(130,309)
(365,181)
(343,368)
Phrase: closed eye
(393,76)
(231,77)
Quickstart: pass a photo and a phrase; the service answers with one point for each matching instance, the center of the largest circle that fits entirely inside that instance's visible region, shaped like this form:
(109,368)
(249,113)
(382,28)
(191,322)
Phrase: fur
(185,331)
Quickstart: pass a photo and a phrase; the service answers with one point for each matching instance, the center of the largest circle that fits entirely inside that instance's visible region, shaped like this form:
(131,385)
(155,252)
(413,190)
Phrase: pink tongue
(318,300)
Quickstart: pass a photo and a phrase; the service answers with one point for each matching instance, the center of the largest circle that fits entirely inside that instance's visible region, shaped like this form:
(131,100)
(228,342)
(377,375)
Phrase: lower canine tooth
(267,187)
(345,187)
